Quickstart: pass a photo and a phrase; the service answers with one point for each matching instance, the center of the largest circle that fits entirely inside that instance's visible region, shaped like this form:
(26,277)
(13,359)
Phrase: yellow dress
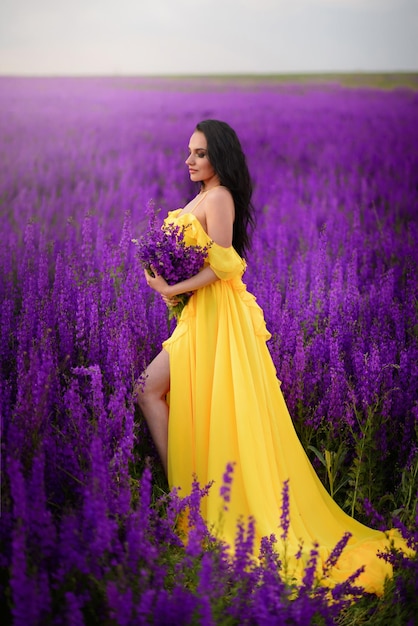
(226,406)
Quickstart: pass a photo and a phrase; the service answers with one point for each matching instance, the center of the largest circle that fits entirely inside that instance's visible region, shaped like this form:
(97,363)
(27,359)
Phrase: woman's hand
(171,301)
(161,286)
(157,283)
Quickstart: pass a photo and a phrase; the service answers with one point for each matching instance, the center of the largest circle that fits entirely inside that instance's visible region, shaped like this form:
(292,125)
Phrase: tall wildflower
(198,536)
(121,604)
(99,526)
(225,489)
(244,546)
(20,584)
(141,552)
(309,577)
(74,612)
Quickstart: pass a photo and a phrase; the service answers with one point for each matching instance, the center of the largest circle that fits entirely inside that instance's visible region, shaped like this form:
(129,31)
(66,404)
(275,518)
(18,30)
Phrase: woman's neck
(209,187)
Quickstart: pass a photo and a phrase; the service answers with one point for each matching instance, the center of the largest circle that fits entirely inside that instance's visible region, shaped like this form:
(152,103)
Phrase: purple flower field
(87,528)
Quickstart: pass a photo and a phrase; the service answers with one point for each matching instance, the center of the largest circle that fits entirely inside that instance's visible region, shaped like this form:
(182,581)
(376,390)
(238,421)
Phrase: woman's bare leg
(151,397)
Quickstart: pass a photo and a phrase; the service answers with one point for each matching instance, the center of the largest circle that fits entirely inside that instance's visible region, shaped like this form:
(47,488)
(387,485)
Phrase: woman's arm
(219,216)
(203,278)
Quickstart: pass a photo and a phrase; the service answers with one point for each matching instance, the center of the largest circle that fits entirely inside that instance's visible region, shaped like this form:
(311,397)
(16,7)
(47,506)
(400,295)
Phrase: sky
(163,37)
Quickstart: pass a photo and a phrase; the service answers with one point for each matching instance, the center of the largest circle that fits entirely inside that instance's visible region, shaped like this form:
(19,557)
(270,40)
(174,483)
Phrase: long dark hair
(228,160)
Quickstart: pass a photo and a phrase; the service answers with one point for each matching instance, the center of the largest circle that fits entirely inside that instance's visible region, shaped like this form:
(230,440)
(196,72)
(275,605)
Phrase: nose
(189,159)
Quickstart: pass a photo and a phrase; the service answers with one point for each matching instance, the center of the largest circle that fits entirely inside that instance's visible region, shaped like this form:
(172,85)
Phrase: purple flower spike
(285,515)
(225,490)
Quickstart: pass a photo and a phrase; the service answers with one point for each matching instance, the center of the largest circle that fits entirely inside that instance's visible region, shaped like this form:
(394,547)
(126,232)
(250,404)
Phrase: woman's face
(200,168)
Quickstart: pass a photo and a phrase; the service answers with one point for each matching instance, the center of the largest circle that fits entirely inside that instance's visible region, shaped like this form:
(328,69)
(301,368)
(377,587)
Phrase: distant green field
(383,80)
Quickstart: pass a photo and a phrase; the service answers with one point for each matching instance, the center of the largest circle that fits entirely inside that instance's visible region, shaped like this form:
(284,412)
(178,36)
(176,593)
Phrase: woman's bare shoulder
(219,192)
(219,216)
(219,198)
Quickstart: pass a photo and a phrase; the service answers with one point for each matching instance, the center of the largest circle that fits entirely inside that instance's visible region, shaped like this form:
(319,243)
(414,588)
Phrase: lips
(192,171)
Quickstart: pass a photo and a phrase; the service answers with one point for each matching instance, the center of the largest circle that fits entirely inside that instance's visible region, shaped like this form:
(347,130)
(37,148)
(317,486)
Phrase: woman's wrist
(169,291)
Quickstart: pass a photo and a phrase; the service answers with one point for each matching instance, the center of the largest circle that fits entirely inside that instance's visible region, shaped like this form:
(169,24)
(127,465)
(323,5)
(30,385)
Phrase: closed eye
(199,153)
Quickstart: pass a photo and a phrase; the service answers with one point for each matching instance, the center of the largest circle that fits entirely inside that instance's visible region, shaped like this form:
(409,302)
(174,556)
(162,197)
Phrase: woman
(225,403)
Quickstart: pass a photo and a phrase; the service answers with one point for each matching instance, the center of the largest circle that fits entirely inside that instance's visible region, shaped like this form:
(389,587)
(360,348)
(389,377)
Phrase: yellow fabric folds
(226,406)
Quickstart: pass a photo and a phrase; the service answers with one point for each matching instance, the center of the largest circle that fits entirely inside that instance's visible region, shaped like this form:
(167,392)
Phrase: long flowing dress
(226,406)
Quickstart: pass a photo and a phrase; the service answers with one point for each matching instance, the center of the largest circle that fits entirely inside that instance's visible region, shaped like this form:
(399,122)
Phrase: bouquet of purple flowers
(164,249)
